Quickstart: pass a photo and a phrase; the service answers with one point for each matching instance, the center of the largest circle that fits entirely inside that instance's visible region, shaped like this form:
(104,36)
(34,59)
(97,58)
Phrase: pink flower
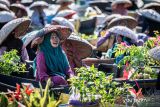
(123,44)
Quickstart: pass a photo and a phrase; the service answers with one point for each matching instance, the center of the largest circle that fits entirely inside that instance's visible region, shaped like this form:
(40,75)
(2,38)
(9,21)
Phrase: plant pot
(13,80)
(20,74)
(76,103)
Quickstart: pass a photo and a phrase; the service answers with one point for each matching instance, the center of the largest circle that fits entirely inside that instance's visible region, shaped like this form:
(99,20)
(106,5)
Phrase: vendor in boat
(19,10)
(51,61)
(38,16)
(121,6)
(112,21)
(10,35)
(75,47)
(117,35)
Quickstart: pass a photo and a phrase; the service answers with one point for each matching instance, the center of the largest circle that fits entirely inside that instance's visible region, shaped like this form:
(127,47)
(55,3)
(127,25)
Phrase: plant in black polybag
(10,62)
(92,87)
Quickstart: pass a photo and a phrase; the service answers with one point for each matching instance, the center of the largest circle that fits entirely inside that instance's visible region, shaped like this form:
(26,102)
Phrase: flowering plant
(29,97)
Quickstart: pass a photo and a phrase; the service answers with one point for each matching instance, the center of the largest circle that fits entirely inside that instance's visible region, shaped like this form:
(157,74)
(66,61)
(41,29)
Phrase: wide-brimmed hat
(62,1)
(5,2)
(64,22)
(4,7)
(150,14)
(17,6)
(155,53)
(124,31)
(79,46)
(123,21)
(6,16)
(62,31)
(36,4)
(110,17)
(151,5)
(20,25)
(127,3)
(107,20)
(66,13)
(30,36)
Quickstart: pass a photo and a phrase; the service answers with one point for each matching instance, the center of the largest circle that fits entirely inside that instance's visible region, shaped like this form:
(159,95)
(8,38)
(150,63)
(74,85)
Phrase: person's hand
(71,75)
(37,41)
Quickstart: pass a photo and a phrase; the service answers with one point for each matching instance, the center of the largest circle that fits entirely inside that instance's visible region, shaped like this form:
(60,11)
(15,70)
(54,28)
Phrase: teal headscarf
(56,59)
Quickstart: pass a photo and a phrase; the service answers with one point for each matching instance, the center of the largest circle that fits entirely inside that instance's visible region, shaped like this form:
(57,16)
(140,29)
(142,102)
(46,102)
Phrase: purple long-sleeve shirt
(41,73)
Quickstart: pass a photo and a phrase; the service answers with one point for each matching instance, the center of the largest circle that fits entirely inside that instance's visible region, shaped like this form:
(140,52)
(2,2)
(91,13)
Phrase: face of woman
(54,40)
(119,39)
(19,13)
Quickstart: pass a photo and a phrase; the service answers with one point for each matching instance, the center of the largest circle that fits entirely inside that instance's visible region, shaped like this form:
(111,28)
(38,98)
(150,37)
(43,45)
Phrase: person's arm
(69,72)
(41,67)
(24,54)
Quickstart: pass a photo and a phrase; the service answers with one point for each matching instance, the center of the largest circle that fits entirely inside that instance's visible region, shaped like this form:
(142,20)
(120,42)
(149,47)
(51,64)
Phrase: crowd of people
(52,40)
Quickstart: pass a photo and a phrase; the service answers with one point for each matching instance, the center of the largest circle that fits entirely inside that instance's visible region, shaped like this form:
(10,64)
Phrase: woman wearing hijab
(75,47)
(51,60)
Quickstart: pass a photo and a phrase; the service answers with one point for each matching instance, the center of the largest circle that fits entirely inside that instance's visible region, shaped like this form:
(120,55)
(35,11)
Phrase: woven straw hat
(151,5)
(124,31)
(155,53)
(79,46)
(107,42)
(150,14)
(39,4)
(110,17)
(62,1)
(3,7)
(123,21)
(17,6)
(63,31)
(29,37)
(127,3)
(6,16)
(66,13)
(19,24)
(64,22)
(5,2)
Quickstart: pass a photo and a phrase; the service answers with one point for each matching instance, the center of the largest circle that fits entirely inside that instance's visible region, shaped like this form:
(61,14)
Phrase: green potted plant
(138,61)
(27,97)
(91,88)
(10,62)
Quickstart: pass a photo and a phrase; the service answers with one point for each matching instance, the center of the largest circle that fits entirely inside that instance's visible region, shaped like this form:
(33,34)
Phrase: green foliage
(88,37)
(40,98)
(139,59)
(10,62)
(4,102)
(91,83)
